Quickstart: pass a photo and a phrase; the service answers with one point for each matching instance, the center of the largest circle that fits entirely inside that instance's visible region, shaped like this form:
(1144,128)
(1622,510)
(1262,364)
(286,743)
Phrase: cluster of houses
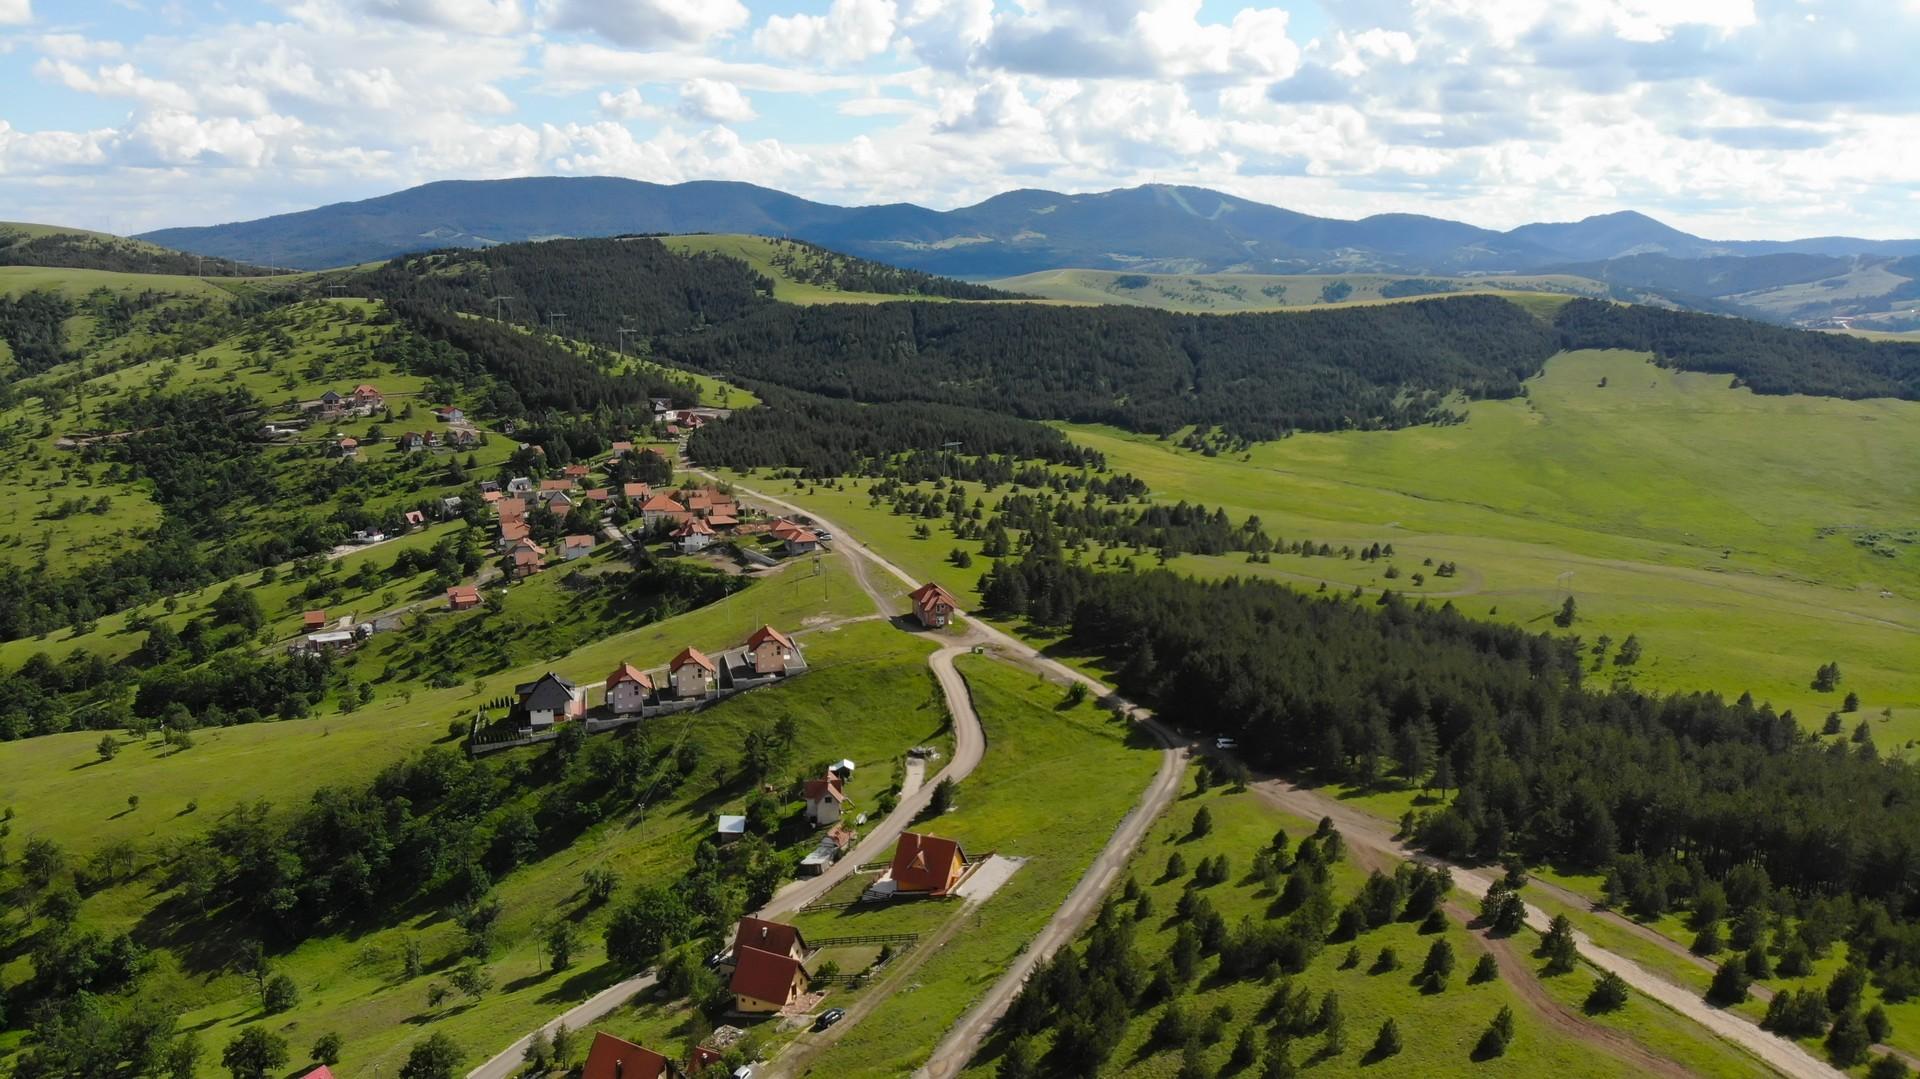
(362,400)
(616,1058)
(691,679)
(319,634)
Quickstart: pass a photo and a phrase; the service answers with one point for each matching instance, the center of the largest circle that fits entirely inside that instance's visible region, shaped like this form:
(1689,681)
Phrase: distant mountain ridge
(1158,228)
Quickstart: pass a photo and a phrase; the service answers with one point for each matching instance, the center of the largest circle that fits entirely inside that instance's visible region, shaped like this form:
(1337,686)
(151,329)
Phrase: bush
(1889,1067)
(279,995)
(1609,994)
(1730,984)
(1387,1042)
(1493,1042)
(326,1048)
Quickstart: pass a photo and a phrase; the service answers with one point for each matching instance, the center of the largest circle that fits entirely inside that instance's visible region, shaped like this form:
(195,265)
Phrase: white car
(1225,743)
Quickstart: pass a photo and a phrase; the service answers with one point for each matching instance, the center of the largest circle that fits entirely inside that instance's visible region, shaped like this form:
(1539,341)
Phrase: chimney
(619,1069)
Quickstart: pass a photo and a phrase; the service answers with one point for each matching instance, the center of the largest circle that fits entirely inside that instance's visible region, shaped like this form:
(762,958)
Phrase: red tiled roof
(364,390)
(721,520)
(929,594)
(776,937)
(599,494)
(557,485)
(415,517)
(313,619)
(784,528)
(461,593)
(492,496)
(349,443)
(921,862)
(692,655)
(764,975)
(321,1072)
(694,526)
(662,504)
(825,787)
(635,490)
(617,1058)
(800,535)
(575,470)
(622,447)
(701,1058)
(768,633)
(513,528)
(579,541)
(627,672)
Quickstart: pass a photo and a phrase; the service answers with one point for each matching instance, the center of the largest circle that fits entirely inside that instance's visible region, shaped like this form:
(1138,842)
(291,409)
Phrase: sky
(1734,119)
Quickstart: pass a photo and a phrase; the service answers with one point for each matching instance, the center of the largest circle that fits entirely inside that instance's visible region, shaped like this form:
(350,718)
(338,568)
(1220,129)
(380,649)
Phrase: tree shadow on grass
(583,984)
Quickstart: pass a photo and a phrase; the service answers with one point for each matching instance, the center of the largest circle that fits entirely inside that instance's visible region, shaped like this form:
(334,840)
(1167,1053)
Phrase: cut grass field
(1439,1030)
(757,252)
(1227,293)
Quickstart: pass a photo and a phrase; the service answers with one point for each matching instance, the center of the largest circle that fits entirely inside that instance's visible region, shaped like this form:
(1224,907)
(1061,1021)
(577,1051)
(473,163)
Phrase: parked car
(1225,743)
(829,1017)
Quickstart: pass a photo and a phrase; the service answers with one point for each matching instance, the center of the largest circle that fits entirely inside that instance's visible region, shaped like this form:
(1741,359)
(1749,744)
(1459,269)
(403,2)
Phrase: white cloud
(472,16)
(78,47)
(15,11)
(647,23)
(625,105)
(118,80)
(850,30)
(714,100)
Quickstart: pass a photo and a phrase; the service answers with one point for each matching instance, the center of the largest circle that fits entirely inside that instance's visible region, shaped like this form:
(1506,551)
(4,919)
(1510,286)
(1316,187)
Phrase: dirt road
(1362,829)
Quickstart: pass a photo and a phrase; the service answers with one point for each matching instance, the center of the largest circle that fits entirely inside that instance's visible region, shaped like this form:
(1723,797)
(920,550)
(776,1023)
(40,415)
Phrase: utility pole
(499,303)
(553,319)
(623,332)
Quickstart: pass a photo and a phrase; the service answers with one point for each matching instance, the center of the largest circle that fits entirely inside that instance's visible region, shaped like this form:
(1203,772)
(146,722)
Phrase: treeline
(816,265)
(33,327)
(529,373)
(821,437)
(85,251)
(1260,375)
(1768,359)
(198,450)
(590,289)
(1543,767)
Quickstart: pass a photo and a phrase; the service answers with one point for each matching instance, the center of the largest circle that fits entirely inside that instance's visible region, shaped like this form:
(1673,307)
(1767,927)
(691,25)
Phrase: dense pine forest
(815,265)
(1727,808)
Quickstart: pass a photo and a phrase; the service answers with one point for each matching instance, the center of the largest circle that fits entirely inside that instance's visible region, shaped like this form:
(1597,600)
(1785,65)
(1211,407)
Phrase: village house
(933,605)
(766,982)
(826,799)
(520,486)
(628,689)
(560,502)
(772,651)
(662,508)
(694,535)
(635,492)
(330,399)
(926,865)
(617,1058)
(513,530)
(620,448)
(463,597)
(412,442)
(463,436)
(450,505)
(492,497)
(576,472)
(365,396)
(527,558)
(549,488)
(347,447)
(449,414)
(692,674)
(837,842)
(776,937)
(414,518)
(800,541)
(728,827)
(662,404)
(598,495)
(548,700)
(576,546)
(313,620)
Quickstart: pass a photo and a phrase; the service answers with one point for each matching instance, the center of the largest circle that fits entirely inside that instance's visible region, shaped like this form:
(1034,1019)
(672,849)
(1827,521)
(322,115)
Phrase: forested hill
(39,245)
(815,265)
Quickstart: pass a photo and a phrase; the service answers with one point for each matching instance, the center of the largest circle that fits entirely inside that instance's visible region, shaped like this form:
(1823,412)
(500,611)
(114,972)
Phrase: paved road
(969,745)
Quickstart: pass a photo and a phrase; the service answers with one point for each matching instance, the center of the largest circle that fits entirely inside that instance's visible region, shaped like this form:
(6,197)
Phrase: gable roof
(920,862)
(635,490)
(549,693)
(627,672)
(462,593)
(617,1058)
(622,447)
(557,485)
(313,618)
(764,975)
(768,633)
(364,390)
(828,786)
(694,656)
(321,1072)
(800,535)
(578,540)
(575,470)
(662,504)
(928,593)
(784,528)
(694,526)
(768,936)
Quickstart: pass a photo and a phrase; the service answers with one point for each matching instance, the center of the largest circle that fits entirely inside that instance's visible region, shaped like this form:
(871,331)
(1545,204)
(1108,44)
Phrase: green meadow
(757,252)
(1745,540)
(1227,293)
(1438,1030)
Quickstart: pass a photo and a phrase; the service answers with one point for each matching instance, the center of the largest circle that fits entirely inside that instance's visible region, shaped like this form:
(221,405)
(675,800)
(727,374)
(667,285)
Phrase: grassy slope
(1438,1031)
(1635,489)
(77,283)
(1229,292)
(755,252)
(867,697)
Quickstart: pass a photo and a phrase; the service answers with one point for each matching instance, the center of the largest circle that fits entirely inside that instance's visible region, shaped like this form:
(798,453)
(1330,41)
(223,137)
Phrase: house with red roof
(462,597)
(313,620)
(635,492)
(776,937)
(622,447)
(347,447)
(695,534)
(575,546)
(628,689)
(826,799)
(766,982)
(321,1072)
(617,1058)
(772,651)
(933,605)
(662,508)
(576,472)
(926,865)
(414,518)
(693,675)
(526,558)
